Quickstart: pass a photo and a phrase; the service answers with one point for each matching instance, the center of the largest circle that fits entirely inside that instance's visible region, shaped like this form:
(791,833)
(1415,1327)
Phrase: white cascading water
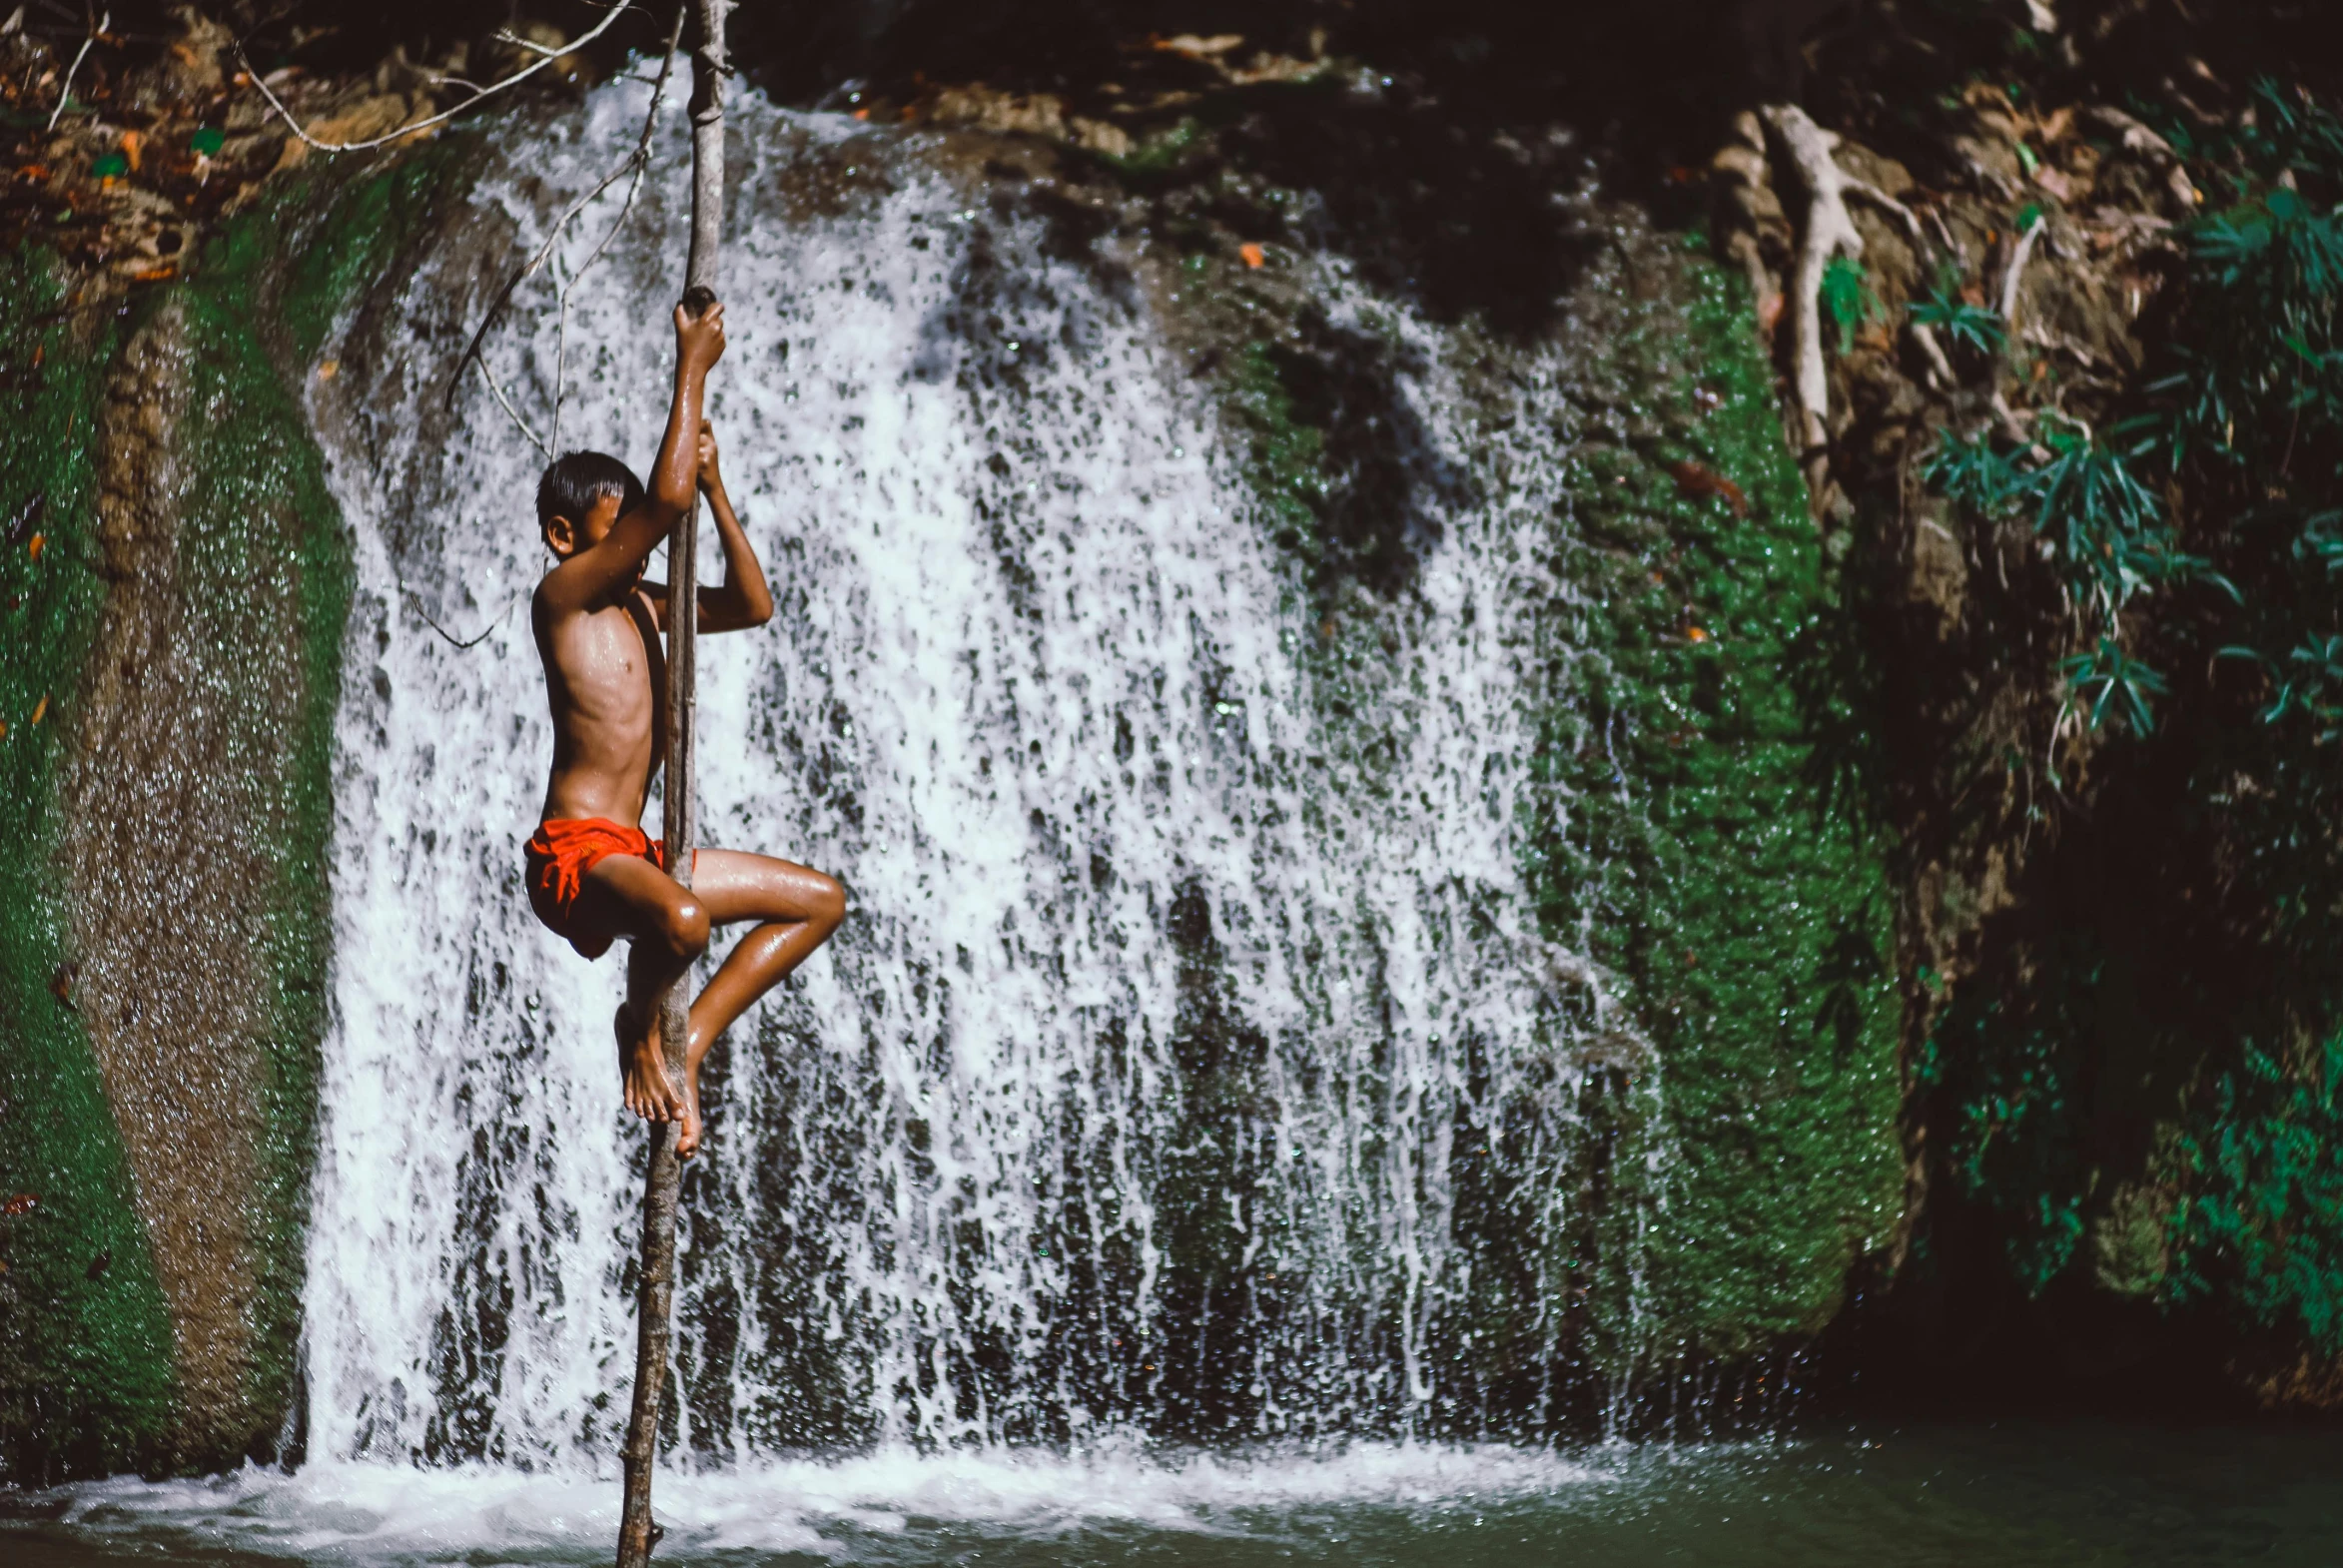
(1130,1097)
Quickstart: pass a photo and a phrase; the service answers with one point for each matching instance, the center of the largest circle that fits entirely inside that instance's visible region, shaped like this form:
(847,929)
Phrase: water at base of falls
(2015,1495)
(1192,966)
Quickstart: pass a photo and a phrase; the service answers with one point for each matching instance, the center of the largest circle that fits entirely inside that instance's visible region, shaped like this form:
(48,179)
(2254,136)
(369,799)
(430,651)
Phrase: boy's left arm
(744,600)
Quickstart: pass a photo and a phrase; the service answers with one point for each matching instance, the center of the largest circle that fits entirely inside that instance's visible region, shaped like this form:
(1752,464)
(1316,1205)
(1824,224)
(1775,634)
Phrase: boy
(593,873)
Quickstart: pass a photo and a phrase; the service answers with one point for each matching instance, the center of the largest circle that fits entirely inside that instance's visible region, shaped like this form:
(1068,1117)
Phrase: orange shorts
(562,851)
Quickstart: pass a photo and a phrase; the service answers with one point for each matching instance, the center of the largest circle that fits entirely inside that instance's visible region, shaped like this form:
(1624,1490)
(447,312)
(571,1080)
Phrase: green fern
(1848,298)
(1971,327)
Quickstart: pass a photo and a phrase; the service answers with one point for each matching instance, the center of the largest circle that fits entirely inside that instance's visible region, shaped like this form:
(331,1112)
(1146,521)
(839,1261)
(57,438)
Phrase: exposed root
(1829,233)
(1941,377)
(2138,138)
(2017,273)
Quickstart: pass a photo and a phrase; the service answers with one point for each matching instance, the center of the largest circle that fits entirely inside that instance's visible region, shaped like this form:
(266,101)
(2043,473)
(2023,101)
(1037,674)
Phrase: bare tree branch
(65,91)
(617,8)
(634,164)
(415,600)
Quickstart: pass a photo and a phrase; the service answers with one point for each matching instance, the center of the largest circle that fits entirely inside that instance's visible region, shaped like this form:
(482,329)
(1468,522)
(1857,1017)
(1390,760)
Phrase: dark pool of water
(2009,1494)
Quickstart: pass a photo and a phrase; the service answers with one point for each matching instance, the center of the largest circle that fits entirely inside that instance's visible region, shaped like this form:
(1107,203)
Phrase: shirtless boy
(593,873)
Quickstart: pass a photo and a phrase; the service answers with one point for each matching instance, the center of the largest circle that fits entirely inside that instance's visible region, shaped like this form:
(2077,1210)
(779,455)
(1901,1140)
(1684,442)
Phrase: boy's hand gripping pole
(654,1307)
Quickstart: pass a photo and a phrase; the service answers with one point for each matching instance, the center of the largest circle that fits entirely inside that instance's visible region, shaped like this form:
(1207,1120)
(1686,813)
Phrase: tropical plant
(1848,297)
(2106,678)
(1971,327)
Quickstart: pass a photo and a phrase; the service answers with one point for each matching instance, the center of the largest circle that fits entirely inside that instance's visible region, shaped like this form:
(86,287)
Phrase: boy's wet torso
(605,677)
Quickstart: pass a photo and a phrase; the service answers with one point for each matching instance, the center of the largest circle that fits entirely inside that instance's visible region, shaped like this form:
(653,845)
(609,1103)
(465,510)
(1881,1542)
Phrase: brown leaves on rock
(1699,484)
(159,138)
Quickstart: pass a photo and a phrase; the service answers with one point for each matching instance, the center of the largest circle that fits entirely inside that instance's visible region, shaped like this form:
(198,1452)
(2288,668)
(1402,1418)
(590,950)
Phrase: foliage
(2198,532)
(2255,386)
(2010,1061)
(2261,1229)
(1972,472)
(1848,297)
(2106,530)
(2108,677)
(1971,327)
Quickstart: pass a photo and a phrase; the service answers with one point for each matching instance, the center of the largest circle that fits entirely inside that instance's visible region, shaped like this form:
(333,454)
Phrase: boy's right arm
(589,575)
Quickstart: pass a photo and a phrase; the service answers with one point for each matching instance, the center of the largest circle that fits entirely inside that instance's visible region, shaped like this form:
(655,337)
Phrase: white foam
(362,1513)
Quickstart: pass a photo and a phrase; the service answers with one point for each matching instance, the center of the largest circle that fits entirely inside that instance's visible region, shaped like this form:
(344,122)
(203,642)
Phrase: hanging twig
(66,91)
(634,164)
(514,413)
(417,600)
(617,8)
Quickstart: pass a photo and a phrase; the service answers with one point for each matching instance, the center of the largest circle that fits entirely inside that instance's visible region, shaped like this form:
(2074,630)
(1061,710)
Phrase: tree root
(1829,233)
(2017,273)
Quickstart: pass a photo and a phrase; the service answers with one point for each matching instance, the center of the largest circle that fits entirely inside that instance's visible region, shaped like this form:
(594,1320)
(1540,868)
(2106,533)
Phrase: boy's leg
(666,926)
(795,908)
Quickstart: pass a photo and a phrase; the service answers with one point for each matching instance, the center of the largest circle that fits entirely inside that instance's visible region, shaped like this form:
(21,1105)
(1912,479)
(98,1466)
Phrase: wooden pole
(654,1307)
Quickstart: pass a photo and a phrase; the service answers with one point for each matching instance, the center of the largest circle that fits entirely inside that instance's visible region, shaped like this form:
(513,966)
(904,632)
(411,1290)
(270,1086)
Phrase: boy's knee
(830,902)
(684,928)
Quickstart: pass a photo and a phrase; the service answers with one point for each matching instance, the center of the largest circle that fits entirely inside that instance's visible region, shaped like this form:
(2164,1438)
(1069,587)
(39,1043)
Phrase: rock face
(178,860)
(168,899)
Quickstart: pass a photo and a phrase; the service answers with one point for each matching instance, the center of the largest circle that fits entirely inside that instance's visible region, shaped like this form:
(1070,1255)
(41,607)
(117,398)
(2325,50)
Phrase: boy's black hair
(575,481)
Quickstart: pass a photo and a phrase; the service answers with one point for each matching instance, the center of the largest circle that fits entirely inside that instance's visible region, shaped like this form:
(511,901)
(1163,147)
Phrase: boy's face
(567,537)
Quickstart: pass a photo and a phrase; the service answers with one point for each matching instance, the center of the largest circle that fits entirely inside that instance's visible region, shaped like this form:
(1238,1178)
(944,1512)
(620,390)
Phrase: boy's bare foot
(642,1068)
(687,1140)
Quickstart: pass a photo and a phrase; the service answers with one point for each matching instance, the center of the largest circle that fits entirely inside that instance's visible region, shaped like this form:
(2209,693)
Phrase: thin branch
(506,34)
(65,91)
(506,403)
(415,600)
(617,9)
(636,163)
(642,162)
(1830,232)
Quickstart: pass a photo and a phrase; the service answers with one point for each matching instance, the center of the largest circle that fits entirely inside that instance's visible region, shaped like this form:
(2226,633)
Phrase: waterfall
(1192,981)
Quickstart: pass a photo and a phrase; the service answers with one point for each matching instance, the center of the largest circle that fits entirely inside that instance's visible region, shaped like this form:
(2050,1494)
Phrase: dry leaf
(1692,479)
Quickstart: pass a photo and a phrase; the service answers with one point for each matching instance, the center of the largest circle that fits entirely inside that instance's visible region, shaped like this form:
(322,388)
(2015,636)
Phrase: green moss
(86,1377)
(259,528)
(87,1380)
(262,527)
(1700,830)
(1287,456)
